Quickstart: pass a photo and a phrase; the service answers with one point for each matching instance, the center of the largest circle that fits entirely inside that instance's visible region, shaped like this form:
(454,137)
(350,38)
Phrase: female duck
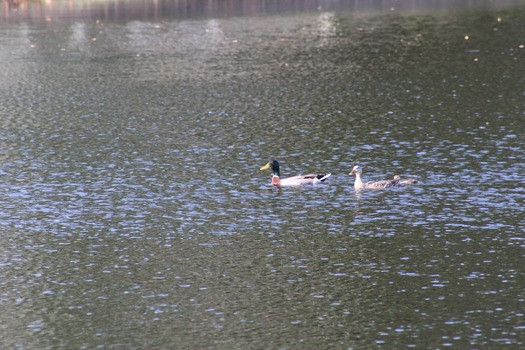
(359,184)
(300,180)
(404,182)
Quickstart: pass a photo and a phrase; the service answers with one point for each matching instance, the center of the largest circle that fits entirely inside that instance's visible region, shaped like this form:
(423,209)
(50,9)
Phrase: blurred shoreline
(51,10)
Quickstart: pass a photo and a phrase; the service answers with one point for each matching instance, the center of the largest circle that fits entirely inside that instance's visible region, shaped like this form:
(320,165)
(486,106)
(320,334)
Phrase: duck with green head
(300,180)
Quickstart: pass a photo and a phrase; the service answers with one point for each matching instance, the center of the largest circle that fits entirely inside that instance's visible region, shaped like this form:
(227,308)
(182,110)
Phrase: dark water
(133,214)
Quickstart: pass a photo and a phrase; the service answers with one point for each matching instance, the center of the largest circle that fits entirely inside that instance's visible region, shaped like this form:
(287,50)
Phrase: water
(133,213)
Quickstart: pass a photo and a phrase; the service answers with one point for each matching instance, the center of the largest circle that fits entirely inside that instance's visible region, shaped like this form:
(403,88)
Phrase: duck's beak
(267,166)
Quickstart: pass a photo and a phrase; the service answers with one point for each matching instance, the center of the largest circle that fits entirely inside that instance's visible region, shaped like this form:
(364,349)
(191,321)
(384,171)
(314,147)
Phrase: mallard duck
(404,182)
(359,184)
(310,179)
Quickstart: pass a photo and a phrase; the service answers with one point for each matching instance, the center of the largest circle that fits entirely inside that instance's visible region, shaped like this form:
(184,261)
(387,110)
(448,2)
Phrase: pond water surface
(133,214)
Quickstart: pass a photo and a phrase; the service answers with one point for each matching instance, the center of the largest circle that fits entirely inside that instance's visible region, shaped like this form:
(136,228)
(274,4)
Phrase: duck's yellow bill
(267,166)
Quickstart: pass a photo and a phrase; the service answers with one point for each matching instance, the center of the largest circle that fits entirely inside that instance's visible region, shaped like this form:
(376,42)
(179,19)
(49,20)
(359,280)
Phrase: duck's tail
(322,177)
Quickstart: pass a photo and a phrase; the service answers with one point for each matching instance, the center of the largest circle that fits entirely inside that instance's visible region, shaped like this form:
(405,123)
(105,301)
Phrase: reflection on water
(133,212)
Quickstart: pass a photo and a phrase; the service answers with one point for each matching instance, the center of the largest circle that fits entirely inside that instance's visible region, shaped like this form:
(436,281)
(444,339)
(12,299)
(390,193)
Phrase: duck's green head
(274,165)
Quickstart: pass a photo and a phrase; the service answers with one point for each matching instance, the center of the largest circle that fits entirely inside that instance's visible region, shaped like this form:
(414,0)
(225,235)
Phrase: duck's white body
(300,180)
